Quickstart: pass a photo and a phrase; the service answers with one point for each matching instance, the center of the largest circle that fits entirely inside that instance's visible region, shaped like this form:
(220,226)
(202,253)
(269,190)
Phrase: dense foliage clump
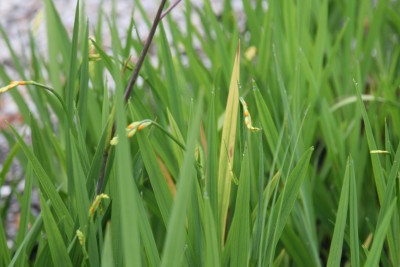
(272,144)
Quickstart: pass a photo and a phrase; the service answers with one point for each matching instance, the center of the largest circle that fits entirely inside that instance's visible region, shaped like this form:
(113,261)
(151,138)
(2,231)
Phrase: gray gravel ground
(17,18)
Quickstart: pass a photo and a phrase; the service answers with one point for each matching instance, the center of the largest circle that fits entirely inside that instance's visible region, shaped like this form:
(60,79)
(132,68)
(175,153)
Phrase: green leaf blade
(335,252)
(227,147)
(57,247)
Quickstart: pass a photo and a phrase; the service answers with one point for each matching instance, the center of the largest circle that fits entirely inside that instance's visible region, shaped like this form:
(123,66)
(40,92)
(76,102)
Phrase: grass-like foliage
(281,149)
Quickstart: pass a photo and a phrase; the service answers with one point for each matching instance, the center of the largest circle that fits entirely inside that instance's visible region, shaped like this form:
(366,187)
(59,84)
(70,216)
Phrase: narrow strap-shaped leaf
(84,79)
(171,79)
(157,180)
(47,186)
(59,42)
(285,203)
(392,238)
(7,163)
(58,250)
(227,148)
(241,219)
(354,239)
(212,159)
(25,212)
(335,251)
(95,165)
(267,123)
(379,237)
(220,51)
(376,164)
(211,243)
(178,134)
(5,252)
(107,259)
(42,151)
(176,233)
(69,95)
(82,205)
(146,234)
(29,241)
(124,196)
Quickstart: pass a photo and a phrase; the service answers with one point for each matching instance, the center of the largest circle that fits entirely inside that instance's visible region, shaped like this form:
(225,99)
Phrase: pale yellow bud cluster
(137,126)
(96,204)
(131,129)
(247,117)
(81,237)
(12,85)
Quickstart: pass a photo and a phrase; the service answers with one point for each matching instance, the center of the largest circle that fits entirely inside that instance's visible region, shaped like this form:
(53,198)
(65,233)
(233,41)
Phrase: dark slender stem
(159,16)
(143,54)
(102,173)
(104,164)
(174,4)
